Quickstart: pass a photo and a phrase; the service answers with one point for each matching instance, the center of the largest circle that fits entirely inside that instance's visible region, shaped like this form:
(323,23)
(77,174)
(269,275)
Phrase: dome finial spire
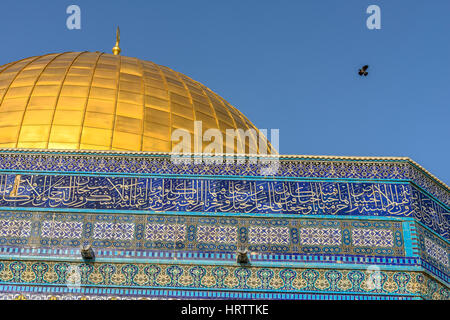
(116,50)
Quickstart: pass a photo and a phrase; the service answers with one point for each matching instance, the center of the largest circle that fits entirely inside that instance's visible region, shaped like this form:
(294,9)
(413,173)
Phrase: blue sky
(290,65)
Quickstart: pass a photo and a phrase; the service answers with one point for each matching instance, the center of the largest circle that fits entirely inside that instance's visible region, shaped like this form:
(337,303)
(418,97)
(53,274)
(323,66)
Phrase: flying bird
(363,71)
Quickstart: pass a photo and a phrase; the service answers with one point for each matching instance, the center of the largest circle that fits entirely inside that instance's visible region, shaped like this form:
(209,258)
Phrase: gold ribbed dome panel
(99,101)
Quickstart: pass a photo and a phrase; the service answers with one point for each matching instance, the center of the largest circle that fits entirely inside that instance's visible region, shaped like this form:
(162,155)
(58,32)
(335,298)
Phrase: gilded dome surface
(100,101)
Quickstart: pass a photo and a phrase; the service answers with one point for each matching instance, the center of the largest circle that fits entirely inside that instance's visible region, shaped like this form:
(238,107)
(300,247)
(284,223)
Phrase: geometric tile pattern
(309,223)
(320,236)
(433,251)
(59,229)
(268,235)
(219,234)
(113,231)
(159,294)
(436,252)
(165,232)
(15,228)
(372,238)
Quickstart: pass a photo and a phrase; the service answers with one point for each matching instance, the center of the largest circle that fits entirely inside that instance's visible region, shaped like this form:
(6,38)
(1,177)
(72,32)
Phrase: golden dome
(100,101)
